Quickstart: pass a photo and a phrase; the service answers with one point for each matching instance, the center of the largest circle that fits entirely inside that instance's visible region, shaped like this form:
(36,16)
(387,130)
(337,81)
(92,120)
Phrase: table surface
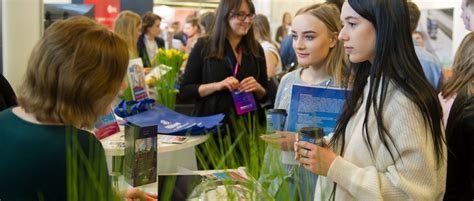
(111,143)
(153,187)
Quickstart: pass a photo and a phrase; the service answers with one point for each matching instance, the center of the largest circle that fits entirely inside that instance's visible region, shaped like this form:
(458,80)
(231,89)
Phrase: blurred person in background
(128,25)
(418,39)
(432,67)
(206,20)
(261,28)
(192,31)
(149,41)
(174,37)
(467,15)
(284,28)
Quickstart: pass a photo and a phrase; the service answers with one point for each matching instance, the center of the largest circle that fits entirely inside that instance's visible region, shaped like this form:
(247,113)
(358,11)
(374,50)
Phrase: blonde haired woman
(323,63)
(73,75)
(457,99)
(128,25)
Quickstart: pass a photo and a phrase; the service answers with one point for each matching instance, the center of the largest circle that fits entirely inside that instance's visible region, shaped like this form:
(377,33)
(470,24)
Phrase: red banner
(105,10)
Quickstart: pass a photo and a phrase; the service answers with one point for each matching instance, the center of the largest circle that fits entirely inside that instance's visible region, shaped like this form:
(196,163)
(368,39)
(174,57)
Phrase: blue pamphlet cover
(315,106)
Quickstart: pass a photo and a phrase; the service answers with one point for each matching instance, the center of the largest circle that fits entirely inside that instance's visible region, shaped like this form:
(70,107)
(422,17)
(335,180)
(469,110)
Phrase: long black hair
(395,61)
(221,26)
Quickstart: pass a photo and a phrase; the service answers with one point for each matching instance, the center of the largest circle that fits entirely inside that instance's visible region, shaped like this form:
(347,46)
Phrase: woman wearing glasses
(226,61)
(226,73)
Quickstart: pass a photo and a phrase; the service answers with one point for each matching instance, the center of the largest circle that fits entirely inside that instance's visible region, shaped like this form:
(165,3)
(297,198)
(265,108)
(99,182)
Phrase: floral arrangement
(165,87)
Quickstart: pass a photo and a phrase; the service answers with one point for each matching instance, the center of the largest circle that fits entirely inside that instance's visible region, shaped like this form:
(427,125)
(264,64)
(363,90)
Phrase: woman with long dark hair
(389,143)
(226,73)
(226,60)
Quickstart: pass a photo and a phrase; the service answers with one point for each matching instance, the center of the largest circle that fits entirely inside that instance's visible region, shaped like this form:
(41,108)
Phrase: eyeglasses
(242,16)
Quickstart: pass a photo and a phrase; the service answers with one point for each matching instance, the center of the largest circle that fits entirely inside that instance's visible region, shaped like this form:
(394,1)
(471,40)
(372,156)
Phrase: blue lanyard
(239,58)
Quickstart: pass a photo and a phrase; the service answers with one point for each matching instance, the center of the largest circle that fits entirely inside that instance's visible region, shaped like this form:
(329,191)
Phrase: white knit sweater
(414,176)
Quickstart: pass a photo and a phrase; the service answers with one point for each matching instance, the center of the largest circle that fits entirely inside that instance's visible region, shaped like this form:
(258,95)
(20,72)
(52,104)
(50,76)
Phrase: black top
(201,70)
(460,139)
(41,162)
(280,34)
(7,95)
(142,49)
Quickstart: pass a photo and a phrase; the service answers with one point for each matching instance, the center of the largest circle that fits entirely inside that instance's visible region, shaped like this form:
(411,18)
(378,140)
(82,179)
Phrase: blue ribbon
(129,108)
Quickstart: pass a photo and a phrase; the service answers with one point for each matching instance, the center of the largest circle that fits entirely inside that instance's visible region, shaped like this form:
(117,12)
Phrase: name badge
(244,102)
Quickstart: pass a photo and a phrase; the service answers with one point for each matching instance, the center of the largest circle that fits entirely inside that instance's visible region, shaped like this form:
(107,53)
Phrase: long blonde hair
(74,72)
(337,62)
(128,25)
(463,69)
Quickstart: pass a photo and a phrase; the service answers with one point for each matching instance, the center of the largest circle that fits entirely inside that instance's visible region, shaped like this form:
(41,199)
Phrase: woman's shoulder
(202,43)
(268,46)
(291,77)
(203,40)
(466,104)
(397,98)
(140,41)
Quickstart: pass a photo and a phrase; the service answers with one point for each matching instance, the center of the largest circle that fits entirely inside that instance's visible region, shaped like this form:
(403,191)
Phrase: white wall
(458,27)
(57,1)
(22,25)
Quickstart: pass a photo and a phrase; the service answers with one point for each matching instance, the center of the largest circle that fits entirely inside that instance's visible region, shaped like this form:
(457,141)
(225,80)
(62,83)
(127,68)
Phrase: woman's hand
(136,193)
(231,83)
(249,84)
(315,158)
(284,142)
(147,70)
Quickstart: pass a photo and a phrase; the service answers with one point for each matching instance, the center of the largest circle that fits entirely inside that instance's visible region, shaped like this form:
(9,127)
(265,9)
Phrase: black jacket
(460,139)
(200,70)
(7,95)
(142,49)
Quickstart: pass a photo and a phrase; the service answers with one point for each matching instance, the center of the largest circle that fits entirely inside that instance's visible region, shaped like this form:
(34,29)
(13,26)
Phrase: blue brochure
(173,123)
(315,106)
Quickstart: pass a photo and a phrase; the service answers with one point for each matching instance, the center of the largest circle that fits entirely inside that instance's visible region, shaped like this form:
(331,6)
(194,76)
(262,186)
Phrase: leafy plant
(165,87)
(84,180)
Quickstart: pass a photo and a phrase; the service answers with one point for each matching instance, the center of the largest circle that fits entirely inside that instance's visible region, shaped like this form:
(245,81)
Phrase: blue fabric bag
(169,121)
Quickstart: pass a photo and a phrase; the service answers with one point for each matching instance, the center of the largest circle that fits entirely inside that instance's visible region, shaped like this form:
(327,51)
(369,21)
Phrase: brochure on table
(106,126)
(315,106)
(136,78)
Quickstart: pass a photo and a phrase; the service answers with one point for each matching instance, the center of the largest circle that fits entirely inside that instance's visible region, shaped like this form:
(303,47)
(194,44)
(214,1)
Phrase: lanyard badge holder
(244,102)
